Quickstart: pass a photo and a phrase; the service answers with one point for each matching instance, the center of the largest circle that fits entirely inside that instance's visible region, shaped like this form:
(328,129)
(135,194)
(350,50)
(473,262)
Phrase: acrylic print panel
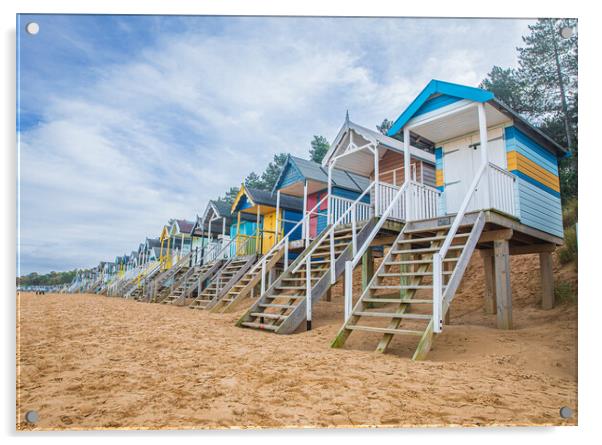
(169,169)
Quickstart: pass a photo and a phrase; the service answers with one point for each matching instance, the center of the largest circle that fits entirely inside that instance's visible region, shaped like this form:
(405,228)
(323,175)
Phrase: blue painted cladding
(322,221)
(290,176)
(246,228)
(518,141)
(539,209)
(243,203)
(539,206)
(292,218)
(537,183)
(435,103)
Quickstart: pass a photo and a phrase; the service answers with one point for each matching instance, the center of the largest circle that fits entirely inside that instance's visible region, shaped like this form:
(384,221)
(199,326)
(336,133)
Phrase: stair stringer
(241,272)
(344,332)
(245,291)
(298,314)
(270,291)
(426,341)
(145,279)
(209,273)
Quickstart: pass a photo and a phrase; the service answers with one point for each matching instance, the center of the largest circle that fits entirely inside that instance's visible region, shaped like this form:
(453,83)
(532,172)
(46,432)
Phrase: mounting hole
(32,28)
(566,412)
(31,416)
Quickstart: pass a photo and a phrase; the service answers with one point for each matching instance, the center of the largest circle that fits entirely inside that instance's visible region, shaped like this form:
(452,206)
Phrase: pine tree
(507,87)
(548,70)
(385,126)
(544,89)
(253,180)
(272,171)
(319,147)
(230,195)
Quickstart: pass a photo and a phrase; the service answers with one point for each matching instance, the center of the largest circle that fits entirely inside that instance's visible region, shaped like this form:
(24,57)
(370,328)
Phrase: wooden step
(393,315)
(268,315)
(400,286)
(430,238)
(292,297)
(425,261)
(426,250)
(384,330)
(277,306)
(397,300)
(412,274)
(260,326)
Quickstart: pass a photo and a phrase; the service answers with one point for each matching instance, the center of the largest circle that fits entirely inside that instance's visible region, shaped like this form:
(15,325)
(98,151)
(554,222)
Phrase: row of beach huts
(458,172)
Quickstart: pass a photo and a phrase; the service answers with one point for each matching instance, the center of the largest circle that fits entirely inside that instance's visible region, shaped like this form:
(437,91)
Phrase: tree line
(49,279)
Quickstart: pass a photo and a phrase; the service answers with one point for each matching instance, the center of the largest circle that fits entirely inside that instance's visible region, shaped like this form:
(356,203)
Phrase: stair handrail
(222,248)
(218,276)
(285,241)
(169,273)
(440,255)
(351,264)
(331,229)
(144,276)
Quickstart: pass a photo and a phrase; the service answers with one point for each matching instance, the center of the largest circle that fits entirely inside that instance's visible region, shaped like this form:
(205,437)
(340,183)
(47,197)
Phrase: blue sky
(127,121)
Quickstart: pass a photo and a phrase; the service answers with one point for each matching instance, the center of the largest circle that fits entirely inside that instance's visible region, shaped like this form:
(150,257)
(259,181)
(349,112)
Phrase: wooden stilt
(329,294)
(547,280)
(503,290)
(490,304)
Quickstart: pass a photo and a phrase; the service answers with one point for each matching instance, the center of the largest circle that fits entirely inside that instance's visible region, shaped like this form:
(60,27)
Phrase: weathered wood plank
(547,280)
(490,305)
(503,290)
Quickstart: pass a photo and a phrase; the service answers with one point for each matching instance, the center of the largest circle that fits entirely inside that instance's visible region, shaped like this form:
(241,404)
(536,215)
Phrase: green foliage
(568,253)
(547,66)
(570,213)
(319,147)
(506,86)
(230,195)
(253,181)
(385,126)
(564,292)
(272,171)
(49,279)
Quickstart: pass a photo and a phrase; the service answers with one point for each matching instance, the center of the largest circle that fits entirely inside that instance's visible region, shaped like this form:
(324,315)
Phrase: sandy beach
(89,361)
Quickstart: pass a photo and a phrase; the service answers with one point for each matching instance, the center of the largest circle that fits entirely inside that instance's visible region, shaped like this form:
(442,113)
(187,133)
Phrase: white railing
(423,201)
(393,207)
(386,195)
(438,257)
(502,189)
(350,214)
(285,242)
(341,205)
(219,249)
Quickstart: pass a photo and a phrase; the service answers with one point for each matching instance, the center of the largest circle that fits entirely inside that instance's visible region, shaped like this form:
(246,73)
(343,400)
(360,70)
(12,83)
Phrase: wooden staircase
(160,287)
(399,298)
(137,288)
(227,276)
(192,280)
(281,308)
(245,285)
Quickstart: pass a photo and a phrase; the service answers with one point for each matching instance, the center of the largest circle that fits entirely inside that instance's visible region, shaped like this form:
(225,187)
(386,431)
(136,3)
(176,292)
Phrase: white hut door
(461,162)
(457,173)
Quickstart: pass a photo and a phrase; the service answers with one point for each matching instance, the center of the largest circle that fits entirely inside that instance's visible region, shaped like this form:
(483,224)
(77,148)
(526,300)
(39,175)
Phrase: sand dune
(88,361)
